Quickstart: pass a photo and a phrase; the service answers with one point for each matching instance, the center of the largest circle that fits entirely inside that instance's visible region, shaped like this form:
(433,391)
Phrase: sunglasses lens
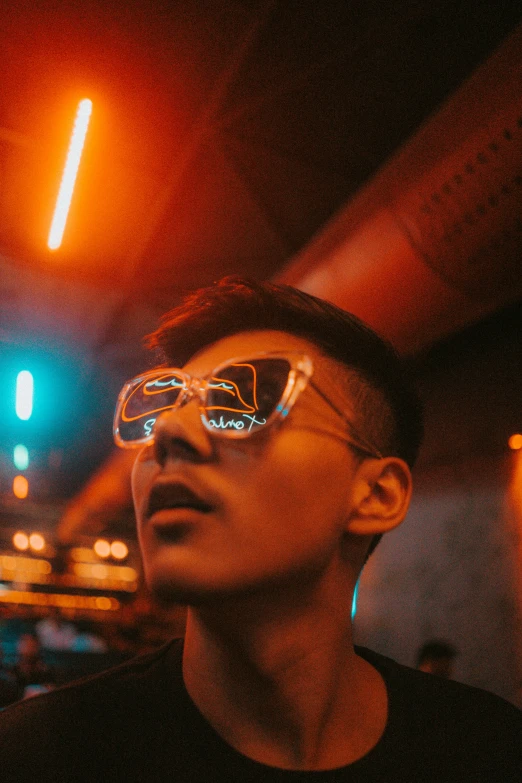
(242,397)
(144,400)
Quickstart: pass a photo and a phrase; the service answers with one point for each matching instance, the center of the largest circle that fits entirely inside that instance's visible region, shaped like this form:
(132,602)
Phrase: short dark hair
(236,304)
(386,405)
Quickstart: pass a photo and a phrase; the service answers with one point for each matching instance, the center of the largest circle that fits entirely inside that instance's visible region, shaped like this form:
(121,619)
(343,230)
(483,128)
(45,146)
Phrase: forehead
(244,343)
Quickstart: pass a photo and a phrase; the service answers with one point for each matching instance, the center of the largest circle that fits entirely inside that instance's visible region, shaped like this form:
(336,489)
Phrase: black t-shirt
(136,722)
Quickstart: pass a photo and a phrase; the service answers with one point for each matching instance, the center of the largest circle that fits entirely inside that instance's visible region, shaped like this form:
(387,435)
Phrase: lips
(167,497)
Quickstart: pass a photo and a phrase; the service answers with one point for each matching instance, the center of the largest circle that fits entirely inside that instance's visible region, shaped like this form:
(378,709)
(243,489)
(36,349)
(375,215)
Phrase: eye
(272,378)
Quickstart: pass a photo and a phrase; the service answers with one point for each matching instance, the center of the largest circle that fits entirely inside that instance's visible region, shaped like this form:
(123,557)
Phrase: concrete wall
(453,569)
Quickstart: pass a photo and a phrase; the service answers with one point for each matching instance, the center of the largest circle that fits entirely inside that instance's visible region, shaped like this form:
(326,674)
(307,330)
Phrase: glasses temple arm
(356,440)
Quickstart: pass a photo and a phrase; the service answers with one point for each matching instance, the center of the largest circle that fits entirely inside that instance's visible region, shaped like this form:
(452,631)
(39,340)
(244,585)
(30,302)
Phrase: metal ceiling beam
(433,242)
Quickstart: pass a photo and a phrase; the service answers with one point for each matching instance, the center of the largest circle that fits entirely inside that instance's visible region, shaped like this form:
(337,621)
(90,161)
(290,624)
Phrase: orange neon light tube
(72,162)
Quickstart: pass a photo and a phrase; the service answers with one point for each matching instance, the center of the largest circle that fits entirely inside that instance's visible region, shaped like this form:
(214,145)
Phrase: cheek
(293,482)
(315,491)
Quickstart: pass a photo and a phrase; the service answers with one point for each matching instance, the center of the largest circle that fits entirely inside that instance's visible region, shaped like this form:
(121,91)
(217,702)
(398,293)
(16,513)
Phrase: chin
(169,589)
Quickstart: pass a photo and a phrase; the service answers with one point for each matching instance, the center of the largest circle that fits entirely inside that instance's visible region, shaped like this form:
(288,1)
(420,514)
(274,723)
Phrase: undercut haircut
(386,407)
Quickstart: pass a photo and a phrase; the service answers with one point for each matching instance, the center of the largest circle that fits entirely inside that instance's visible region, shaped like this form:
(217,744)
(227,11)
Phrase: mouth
(166,499)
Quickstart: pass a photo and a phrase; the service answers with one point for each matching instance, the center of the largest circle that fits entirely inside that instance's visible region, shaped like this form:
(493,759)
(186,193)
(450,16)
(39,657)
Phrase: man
(32,673)
(275,443)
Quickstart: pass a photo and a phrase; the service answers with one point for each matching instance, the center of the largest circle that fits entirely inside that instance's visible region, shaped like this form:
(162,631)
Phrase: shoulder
(449,719)
(435,695)
(142,676)
(68,720)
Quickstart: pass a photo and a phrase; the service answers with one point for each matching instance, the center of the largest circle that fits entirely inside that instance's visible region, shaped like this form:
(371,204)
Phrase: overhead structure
(434,241)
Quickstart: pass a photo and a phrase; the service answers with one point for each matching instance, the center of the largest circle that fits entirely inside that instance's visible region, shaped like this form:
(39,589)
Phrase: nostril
(179,434)
(168,447)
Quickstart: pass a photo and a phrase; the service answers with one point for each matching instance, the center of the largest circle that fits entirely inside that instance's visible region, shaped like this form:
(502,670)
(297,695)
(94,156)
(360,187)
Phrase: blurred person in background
(274,440)
(8,684)
(87,639)
(437,657)
(30,671)
(54,632)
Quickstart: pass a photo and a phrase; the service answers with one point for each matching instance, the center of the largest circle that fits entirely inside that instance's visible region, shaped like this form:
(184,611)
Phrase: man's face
(271,508)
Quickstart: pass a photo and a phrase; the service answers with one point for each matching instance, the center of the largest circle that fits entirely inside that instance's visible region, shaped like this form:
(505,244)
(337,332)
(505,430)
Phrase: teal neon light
(354,599)
(21,457)
(24,395)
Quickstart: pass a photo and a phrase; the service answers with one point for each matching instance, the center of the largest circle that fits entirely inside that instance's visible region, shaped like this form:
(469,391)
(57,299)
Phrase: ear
(380,496)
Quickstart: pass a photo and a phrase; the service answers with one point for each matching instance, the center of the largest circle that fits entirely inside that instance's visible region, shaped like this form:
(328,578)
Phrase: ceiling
(224,136)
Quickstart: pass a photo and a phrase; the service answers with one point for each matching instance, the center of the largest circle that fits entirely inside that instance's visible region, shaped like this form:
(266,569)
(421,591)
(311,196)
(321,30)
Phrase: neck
(285,687)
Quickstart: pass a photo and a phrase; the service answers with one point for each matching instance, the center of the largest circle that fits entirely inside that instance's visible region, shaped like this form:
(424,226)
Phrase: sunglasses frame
(299,377)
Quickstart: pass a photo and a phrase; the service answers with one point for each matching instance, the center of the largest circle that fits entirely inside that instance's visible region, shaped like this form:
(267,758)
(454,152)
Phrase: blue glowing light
(354,599)
(21,457)
(24,395)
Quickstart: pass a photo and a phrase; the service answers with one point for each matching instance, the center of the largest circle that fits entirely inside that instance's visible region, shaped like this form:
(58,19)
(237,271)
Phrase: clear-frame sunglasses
(236,399)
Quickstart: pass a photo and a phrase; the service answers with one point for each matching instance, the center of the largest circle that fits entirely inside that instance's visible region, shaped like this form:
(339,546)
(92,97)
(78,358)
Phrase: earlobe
(380,498)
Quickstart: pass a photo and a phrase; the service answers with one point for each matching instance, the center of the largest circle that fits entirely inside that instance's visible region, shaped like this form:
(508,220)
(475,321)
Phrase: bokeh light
(36,542)
(21,541)
(21,457)
(515,442)
(102,548)
(20,487)
(119,550)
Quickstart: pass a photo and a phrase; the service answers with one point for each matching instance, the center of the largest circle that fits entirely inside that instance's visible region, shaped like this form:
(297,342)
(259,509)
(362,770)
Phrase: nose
(179,434)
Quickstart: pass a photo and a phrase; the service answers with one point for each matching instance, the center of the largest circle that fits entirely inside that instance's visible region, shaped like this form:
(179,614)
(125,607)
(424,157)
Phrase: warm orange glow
(119,550)
(36,542)
(20,540)
(72,162)
(89,580)
(515,442)
(102,548)
(29,570)
(113,574)
(102,603)
(27,564)
(106,603)
(99,571)
(82,554)
(20,487)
